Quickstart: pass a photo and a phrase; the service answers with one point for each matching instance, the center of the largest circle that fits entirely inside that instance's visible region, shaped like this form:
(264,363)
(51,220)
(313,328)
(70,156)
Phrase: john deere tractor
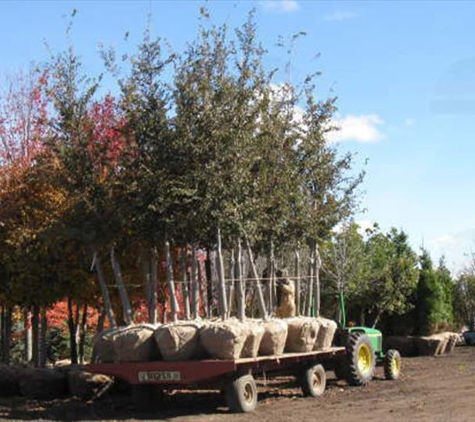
(364,350)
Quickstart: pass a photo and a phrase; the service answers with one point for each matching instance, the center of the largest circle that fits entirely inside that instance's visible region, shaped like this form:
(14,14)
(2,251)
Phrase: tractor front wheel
(392,364)
(361,359)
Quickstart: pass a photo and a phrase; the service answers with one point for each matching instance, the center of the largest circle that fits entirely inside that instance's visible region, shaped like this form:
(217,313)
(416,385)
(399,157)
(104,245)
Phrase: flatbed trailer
(236,378)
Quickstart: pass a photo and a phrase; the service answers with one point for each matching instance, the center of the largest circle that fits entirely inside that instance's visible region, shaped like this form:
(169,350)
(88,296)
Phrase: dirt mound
(406,345)
(302,334)
(43,384)
(85,385)
(9,381)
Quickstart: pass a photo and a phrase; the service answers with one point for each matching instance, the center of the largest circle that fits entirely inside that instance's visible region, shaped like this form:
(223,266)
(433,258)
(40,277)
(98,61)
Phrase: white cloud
(456,247)
(364,225)
(363,128)
(280,5)
(409,122)
(340,15)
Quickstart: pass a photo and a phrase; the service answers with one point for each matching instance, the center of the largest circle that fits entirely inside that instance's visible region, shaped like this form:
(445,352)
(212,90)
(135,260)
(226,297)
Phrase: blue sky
(404,73)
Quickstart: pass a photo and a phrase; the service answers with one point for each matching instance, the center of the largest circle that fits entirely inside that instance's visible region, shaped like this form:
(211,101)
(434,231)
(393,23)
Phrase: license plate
(154,376)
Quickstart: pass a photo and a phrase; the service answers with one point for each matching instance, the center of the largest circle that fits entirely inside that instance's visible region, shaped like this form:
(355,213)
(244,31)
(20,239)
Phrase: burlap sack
(274,338)
(103,345)
(43,384)
(255,332)
(405,345)
(325,335)
(86,385)
(178,341)
(136,343)
(302,334)
(223,339)
(9,381)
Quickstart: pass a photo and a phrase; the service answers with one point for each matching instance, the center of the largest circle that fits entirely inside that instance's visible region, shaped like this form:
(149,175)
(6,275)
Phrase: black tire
(147,397)
(361,359)
(241,394)
(392,364)
(313,381)
(341,369)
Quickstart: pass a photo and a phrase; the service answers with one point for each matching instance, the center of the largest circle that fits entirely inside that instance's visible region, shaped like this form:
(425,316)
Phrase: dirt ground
(438,388)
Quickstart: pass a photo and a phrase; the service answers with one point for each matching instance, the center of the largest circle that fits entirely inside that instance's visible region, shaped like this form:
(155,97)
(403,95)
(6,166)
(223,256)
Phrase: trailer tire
(392,364)
(241,394)
(313,381)
(341,369)
(146,397)
(361,359)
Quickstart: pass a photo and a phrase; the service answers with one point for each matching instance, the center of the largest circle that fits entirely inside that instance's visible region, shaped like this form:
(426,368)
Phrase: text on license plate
(153,376)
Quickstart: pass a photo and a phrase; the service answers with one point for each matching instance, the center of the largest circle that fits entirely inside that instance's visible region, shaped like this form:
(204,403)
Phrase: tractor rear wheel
(241,394)
(392,364)
(361,359)
(313,381)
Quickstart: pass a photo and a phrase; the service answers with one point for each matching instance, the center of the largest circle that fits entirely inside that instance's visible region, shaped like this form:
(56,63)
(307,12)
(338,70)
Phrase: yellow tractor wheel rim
(364,358)
(396,365)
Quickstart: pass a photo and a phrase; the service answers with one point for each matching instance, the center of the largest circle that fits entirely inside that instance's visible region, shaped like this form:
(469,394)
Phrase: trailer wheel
(146,397)
(313,381)
(361,359)
(392,364)
(241,394)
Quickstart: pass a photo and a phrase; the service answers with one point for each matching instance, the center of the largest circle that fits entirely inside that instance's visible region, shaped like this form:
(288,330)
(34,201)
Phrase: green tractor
(364,350)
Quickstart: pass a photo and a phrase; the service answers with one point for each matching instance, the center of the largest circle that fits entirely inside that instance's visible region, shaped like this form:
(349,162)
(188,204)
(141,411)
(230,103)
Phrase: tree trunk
(223,305)
(6,333)
(127,313)
(27,334)
(43,334)
(82,333)
(240,299)
(35,322)
(104,290)
(184,287)
(171,283)
(260,295)
(73,351)
(194,285)
(100,321)
(297,280)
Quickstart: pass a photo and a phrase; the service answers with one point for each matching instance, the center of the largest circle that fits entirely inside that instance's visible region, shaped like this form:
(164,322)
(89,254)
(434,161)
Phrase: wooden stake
(223,304)
(297,280)
(124,297)
(260,295)
(184,287)
(232,264)
(241,305)
(309,300)
(316,273)
(194,285)
(96,263)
